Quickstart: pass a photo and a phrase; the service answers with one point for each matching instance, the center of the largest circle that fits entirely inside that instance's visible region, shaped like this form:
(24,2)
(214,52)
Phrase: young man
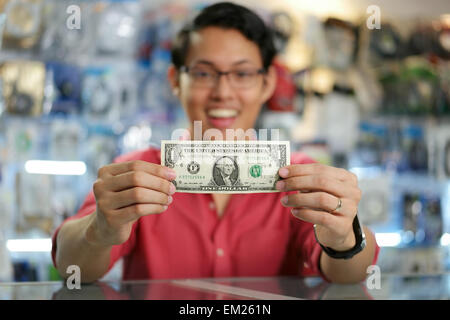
(222,75)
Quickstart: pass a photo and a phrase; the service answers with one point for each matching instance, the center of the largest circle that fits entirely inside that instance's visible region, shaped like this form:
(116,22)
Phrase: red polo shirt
(256,236)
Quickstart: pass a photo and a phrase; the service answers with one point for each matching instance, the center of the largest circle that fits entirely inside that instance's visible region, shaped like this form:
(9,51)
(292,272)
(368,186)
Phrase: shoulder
(301,158)
(150,155)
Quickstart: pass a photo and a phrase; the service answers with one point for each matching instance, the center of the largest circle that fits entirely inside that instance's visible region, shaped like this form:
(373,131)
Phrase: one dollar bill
(225,166)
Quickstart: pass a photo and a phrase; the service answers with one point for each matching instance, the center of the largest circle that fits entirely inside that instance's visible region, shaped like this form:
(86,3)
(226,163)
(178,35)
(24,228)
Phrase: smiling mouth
(222,113)
(222,118)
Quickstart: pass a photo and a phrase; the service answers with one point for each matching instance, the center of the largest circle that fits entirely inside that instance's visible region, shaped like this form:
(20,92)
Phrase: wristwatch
(360,238)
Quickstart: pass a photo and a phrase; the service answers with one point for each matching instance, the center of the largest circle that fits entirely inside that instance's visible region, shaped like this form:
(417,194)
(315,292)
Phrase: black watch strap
(360,244)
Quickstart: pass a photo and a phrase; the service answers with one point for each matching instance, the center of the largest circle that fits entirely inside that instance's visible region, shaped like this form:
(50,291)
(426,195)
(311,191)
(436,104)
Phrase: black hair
(226,15)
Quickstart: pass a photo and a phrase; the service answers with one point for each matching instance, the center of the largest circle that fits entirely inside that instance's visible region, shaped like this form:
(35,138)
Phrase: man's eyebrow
(209,63)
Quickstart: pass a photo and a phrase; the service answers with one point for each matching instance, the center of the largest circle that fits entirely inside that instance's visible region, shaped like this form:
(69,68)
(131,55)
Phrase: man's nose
(222,89)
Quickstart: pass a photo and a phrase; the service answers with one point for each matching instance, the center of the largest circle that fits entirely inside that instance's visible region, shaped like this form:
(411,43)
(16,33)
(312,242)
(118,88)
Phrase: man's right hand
(125,192)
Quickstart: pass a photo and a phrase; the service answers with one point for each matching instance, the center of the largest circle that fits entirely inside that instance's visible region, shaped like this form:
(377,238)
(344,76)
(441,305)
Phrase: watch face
(20,103)
(443,44)
(444,40)
(282,26)
(386,42)
(341,45)
(420,40)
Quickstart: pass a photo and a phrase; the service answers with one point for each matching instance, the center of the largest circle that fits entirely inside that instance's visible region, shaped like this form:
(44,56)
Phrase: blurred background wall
(374,99)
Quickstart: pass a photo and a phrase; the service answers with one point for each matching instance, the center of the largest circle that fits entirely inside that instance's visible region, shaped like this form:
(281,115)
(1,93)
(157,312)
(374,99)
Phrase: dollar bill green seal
(255,171)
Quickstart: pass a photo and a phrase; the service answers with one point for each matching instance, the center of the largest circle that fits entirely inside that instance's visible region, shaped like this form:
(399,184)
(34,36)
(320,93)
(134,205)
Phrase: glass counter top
(391,287)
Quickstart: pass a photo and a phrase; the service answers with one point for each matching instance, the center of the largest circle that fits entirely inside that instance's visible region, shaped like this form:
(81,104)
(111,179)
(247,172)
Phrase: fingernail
(294,212)
(171,174)
(283,172)
(169,200)
(284,200)
(172,189)
(280,185)
(164,208)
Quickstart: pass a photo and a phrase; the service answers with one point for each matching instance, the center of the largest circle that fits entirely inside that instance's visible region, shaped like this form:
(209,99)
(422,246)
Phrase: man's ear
(270,83)
(172,76)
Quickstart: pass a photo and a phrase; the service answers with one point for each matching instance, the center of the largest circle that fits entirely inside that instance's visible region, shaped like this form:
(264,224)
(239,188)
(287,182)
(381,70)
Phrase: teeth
(222,113)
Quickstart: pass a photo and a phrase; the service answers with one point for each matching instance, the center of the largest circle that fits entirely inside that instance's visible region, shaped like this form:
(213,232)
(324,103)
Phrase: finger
(316,200)
(318,183)
(136,211)
(322,218)
(142,179)
(139,195)
(138,165)
(317,169)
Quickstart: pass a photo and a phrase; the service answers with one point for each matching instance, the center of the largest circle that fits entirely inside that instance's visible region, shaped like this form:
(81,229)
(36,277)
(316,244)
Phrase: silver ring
(339,205)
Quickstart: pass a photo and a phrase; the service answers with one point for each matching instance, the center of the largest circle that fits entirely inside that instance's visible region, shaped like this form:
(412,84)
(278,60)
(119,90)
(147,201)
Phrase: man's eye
(202,74)
(242,74)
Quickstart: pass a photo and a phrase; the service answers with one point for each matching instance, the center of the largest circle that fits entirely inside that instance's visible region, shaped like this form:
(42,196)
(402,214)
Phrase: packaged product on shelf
(282,122)
(117,27)
(109,92)
(371,145)
(283,28)
(443,95)
(34,205)
(441,39)
(432,219)
(64,81)
(101,149)
(6,269)
(341,119)
(2,27)
(137,137)
(375,207)
(439,151)
(155,94)
(284,95)
(342,43)
(420,207)
(23,23)
(420,85)
(385,43)
(66,137)
(23,87)
(21,139)
(127,89)
(415,153)
(99,94)
(63,39)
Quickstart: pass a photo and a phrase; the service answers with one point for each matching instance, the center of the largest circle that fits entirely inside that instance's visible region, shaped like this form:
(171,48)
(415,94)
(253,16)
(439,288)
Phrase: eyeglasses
(208,77)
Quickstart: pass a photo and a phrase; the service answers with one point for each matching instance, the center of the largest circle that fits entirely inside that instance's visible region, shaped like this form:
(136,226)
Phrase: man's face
(223,105)
(226,166)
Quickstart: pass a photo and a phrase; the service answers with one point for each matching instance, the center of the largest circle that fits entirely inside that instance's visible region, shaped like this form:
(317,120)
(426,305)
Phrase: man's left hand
(319,189)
